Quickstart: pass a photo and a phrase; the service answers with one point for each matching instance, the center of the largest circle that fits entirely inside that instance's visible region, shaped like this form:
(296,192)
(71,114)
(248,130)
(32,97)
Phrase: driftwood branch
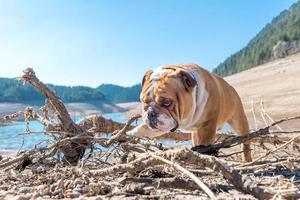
(99,124)
(240,139)
(60,109)
(117,136)
(271,151)
(72,151)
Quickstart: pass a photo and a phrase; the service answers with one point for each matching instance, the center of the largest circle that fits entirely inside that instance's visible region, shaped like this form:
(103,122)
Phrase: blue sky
(90,42)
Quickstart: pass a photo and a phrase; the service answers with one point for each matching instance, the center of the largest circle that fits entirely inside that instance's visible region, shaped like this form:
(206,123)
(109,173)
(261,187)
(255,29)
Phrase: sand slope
(80,108)
(276,84)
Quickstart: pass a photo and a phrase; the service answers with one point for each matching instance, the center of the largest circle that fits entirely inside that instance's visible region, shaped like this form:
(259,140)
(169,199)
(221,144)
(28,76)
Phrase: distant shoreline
(80,108)
(133,108)
(75,109)
(6,123)
(8,152)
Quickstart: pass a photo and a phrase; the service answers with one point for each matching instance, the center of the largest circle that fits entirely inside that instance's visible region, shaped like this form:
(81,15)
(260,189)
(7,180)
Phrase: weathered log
(99,124)
(72,151)
(239,139)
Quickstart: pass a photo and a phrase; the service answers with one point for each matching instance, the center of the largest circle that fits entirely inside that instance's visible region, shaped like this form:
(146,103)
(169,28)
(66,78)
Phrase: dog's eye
(166,103)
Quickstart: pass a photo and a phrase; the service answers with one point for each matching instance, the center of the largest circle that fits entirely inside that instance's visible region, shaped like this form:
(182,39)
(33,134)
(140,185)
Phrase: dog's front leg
(144,131)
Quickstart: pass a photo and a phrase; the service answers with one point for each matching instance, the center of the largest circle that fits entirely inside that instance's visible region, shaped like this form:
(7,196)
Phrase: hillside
(277,39)
(119,94)
(79,100)
(276,84)
(15,92)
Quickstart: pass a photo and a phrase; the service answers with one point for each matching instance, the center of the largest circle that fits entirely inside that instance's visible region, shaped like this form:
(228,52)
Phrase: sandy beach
(80,108)
(10,153)
(276,84)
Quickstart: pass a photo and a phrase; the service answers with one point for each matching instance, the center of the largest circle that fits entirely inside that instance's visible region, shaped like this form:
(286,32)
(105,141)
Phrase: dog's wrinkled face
(167,97)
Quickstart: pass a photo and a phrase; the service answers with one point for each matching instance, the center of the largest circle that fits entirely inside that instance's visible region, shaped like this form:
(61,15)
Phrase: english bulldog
(190,98)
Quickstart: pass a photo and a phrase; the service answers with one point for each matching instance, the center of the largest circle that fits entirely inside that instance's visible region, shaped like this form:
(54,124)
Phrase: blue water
(13,137)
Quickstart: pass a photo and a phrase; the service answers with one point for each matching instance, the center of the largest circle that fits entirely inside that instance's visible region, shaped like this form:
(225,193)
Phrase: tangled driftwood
(142,166)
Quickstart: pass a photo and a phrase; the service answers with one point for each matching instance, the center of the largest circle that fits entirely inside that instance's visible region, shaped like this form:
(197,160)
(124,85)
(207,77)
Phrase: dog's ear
(187,80)
(147,76)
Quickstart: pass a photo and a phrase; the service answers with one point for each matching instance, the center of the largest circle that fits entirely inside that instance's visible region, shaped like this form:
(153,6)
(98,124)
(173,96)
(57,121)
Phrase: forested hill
(277,39)
(119,94)
(14,91)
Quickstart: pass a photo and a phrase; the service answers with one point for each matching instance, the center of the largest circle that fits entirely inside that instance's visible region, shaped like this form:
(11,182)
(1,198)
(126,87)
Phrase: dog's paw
(205,149)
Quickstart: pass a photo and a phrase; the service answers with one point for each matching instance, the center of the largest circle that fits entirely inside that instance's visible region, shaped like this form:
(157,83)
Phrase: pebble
(86,179)
(72,195)
(24,190)
(24,197)
(86,189)
(35,195)
(78,189)
(3,194)
(4,187)
(67,183)
(40,188)
(78,181)
(57,192)
(40,198)
(60,183)
(98,198)
(40,169)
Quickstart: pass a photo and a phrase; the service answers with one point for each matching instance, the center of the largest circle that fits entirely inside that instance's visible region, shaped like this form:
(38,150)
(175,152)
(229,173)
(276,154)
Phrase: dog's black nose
(151,113)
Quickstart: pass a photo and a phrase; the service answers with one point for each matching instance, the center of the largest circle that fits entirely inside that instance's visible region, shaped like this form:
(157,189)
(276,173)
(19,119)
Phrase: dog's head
(167,97)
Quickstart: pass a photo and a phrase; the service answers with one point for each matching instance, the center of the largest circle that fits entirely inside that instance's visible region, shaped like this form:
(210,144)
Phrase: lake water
(13,137)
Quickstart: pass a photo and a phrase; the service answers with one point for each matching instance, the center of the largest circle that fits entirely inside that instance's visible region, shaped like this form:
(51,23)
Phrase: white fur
(165,123)
(154,77)
(157,73)
(200,97)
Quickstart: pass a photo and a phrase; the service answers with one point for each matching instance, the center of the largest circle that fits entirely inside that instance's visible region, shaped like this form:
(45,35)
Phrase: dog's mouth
(161,122)
(157,125)
(152,124)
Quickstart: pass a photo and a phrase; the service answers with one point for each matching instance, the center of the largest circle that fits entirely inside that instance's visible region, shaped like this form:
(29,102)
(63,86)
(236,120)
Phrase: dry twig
(187,173)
